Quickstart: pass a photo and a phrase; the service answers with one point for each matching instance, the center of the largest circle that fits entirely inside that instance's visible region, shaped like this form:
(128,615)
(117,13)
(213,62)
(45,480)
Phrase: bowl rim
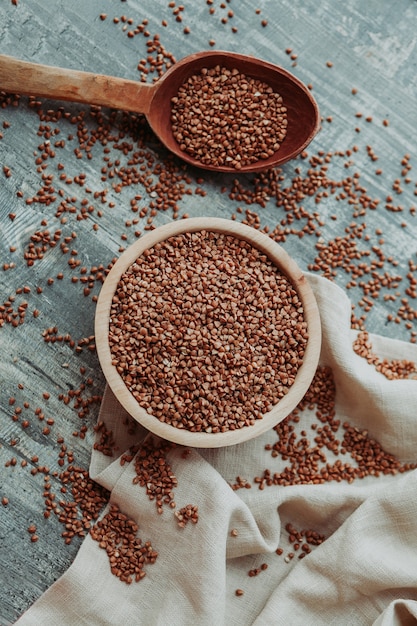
(282,260)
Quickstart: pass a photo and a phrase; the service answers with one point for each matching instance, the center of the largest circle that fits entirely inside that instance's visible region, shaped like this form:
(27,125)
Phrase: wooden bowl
(282,261)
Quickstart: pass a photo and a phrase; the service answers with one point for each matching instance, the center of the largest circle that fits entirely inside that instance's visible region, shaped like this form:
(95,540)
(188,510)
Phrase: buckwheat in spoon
(217,110)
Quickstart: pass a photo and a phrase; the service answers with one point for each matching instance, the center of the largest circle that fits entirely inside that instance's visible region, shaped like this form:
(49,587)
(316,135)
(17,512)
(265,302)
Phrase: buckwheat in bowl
(207,332)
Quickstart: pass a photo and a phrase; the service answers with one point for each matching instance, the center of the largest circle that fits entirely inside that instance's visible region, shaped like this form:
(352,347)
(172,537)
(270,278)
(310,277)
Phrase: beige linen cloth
(364,572)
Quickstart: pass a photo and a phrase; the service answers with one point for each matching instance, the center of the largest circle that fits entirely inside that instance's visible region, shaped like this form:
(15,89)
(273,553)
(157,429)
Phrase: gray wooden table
(65,212)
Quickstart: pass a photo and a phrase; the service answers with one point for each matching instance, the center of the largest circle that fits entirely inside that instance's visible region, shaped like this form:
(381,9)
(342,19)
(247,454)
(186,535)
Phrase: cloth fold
(314,522)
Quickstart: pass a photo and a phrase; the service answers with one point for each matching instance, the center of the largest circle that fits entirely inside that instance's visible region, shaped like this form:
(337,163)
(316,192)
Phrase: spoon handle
(45,81)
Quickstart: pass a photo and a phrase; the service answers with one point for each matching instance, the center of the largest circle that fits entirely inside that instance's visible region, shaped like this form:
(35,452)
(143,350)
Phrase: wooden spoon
(154,100)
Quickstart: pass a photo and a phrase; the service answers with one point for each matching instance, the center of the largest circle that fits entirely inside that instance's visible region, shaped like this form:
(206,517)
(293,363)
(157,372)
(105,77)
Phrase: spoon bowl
(154,100)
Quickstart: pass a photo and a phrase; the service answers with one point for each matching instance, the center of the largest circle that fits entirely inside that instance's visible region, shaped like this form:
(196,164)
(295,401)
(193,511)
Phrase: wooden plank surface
(50,380)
